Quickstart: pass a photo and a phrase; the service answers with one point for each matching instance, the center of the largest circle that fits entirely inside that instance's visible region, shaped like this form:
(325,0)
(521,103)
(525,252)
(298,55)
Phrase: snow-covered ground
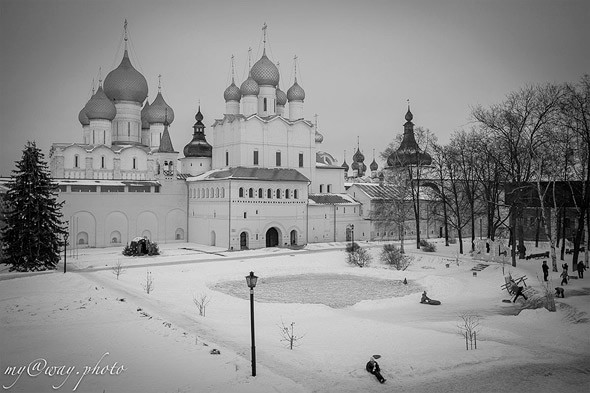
(111,336)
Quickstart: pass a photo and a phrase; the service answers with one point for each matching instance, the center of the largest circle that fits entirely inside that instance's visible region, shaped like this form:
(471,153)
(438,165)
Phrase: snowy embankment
(163,344)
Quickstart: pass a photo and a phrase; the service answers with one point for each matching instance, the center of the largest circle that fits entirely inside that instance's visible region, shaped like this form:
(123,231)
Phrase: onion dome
(232,93)
(295,92)
(355,166)
(358,156)
(144,117)
(198,147)
(249,87)
(100,107)
(409,153)
(319,138)
(159,111)
(281,97)
(82,118)
(125,83)
(345,166)
(264,72)
(373,165)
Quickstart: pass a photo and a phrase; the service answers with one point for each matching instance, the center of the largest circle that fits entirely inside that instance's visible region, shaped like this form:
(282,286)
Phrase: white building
(263,181)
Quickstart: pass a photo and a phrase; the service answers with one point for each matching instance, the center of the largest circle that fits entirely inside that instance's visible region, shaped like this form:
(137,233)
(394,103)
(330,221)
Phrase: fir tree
(34,231)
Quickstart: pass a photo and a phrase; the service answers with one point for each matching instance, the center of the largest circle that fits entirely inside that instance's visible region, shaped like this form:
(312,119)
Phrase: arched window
(287,193)
(217,192)
(223,192)
(202,193)
(260,193)
(241,192)
(295,194)
(212,192)
(251,193)
(269,193)
(265,105)
(76,161)
(102,162)
(278,193)
(134,163)
(207,194)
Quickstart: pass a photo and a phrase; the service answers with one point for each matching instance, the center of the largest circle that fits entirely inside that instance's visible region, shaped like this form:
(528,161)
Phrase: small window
(255,157)
(265,104)
(300,160)
(321,188)
(287,193)
(295,194)
(128,129)
(227,158)
(260,193)
(278,193)
(76,161)
(269,193)
(278,158)
(251,193)
(134,163)
(329,188)
(241,192)
(102,162)
(245,215)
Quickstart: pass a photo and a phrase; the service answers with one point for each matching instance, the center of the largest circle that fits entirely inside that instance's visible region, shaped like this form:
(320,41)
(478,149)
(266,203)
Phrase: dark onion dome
(345,166)
(264,72)
(159,111)
(409,153)
(144,118)
(373,165)
(198,146)
(249,87)
(100,107)
(281,97)
(358,156)
(82,118)
(355,166)
(125,83)
(232,93)
(319,138)
(295,92)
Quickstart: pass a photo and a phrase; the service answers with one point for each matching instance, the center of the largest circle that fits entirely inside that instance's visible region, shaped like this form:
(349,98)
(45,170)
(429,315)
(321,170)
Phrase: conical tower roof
(409,153)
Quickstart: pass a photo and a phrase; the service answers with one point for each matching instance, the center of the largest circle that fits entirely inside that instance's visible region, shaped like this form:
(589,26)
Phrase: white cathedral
(260,181)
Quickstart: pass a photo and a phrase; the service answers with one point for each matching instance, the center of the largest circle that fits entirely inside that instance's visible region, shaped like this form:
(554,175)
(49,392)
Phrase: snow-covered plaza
(111,336)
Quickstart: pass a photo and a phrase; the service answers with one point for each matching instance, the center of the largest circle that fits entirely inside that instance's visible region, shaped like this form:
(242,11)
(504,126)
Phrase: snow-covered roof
(331,199)
(246,173)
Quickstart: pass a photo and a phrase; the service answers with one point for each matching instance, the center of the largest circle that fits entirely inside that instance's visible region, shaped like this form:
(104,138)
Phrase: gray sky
(359,61)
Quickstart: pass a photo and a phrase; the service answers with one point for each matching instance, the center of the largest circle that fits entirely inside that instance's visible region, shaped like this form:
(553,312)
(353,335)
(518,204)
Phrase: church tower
(198,152)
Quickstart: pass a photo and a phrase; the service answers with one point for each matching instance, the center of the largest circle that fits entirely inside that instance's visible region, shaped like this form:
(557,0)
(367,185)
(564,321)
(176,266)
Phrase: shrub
(392,256)
(356,255)
(427,246)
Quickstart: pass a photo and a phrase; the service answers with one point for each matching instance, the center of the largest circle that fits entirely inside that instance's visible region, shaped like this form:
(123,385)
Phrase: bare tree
(118,269)
(288,335)
(201,302)
(469,326)
(148,283)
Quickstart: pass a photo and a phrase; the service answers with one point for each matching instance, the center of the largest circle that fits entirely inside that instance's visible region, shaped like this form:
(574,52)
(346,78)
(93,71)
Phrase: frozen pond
(334,290)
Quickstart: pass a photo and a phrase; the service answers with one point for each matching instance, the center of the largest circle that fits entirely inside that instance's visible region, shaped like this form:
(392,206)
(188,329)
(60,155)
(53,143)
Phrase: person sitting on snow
(373,367)
(425,299)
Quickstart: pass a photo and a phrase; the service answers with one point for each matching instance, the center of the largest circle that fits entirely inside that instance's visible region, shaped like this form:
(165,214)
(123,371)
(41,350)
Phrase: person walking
(545,270)
(373,367)
(564,276)
(581,268)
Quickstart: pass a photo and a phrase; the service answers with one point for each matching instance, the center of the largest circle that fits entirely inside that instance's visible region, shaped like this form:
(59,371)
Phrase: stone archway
(272,237)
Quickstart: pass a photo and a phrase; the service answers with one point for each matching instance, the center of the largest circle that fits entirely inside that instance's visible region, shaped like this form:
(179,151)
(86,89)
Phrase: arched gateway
(272,237)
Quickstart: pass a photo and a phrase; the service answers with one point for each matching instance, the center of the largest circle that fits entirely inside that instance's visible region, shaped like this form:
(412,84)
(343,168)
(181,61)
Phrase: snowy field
(87,331)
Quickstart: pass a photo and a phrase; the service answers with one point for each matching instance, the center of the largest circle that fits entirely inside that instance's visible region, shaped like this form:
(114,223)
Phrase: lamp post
(66,247)
(251,281)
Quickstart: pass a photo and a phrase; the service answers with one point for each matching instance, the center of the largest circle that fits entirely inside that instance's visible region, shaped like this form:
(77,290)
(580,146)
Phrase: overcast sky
(359,61)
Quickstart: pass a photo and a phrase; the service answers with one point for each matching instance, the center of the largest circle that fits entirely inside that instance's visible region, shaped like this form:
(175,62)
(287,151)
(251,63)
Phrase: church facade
(259,179)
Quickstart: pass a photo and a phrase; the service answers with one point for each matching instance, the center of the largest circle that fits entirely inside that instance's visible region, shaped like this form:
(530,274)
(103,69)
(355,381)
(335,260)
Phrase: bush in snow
(427,246)
(393,256)
(356,255)
(118,269)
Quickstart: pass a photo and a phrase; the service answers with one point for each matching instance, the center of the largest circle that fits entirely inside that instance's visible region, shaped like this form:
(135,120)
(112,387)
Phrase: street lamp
(350,227)
(251,281)
(66,234)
